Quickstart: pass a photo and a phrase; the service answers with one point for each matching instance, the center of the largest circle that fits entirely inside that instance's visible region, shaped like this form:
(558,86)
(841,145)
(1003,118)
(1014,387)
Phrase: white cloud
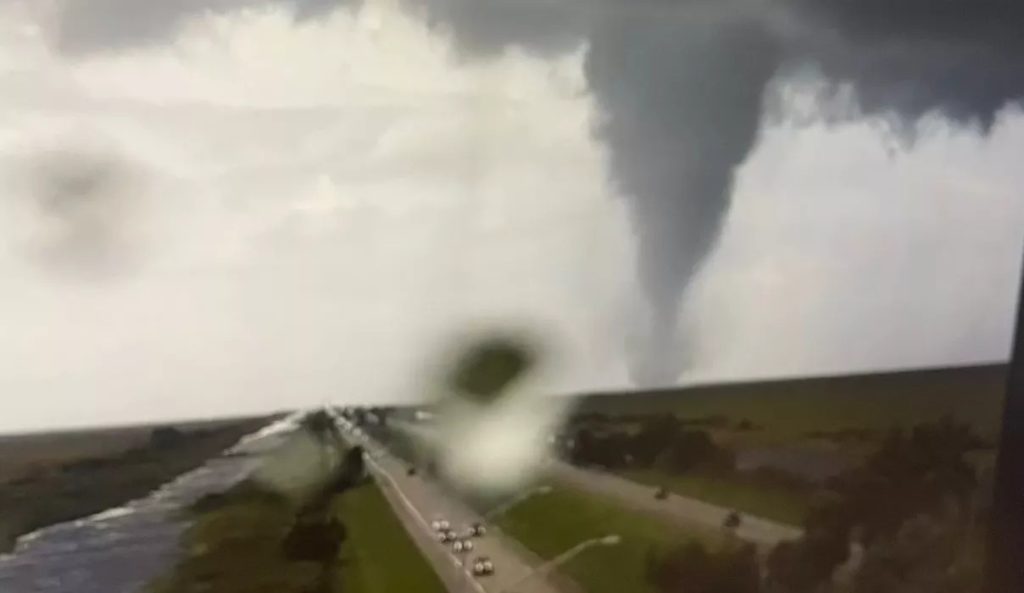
(327,202)
(326,219)
(840,255)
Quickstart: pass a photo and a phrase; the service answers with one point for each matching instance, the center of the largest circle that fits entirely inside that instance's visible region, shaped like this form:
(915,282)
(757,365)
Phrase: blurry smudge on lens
(491,427)
(78,210)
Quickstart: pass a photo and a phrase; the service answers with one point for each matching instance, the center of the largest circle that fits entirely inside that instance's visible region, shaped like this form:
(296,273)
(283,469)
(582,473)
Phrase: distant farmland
(796,407)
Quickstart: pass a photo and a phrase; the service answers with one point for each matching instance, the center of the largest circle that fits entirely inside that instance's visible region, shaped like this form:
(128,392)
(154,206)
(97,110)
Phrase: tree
(926,555)
(166,436)
(322,425)
(920,473)
(695,448)
(353,465)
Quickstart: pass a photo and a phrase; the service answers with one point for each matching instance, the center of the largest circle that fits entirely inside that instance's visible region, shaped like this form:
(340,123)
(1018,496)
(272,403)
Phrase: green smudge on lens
(487,368)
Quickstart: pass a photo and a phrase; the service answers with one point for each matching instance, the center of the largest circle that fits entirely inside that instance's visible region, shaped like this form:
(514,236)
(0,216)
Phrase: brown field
(24,455)
(48,478)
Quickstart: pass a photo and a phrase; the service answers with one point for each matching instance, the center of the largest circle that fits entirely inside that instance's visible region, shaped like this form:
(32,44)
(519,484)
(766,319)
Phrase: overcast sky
(295,212)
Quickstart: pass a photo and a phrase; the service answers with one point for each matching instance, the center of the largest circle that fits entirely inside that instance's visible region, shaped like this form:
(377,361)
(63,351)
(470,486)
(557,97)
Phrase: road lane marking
(422,521)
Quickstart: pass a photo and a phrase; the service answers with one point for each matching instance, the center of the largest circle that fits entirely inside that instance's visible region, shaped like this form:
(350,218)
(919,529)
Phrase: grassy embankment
(380,557)
(552,523)
(238,548)
(58,491)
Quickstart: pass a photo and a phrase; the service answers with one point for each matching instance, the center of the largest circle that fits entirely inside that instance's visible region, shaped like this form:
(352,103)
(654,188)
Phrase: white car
(447,536)
(462,546)
(440,525)
(483,566)
(476,530)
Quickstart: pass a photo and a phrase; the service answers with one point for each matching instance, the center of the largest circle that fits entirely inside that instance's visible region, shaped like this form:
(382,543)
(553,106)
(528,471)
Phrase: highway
(418,501)
(684,511)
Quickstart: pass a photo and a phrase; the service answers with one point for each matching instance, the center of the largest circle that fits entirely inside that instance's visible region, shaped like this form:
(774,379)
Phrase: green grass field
(785,505)
(786,409)
(380,557)
(236,548)
(552,523)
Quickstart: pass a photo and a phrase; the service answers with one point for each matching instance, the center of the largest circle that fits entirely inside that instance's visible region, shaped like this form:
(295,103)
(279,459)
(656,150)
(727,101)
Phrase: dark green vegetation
(663,451)
(763,448)
(250,543)
(490,365)
(829,407)
(56,491)
(915,505)
(695,568)
(549,524)
(380,557)
(341,537)
(909,519)
(659,440)
(237,546)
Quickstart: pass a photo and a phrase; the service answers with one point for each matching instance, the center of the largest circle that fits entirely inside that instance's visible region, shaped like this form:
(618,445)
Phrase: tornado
(680,110)
(680,86)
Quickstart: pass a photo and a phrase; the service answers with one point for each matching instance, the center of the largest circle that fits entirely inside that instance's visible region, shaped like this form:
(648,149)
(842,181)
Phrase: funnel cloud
(680,86)
(681,105)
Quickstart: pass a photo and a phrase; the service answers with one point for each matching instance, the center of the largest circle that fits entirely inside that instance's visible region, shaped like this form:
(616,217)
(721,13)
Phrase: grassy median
(552,523)
(380,557)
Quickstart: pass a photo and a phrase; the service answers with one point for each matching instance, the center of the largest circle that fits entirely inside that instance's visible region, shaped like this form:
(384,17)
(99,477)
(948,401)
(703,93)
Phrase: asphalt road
(679,509)
(418,501)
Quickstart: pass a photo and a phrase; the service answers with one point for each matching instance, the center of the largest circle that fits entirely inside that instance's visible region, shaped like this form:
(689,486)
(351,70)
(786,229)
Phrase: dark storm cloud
(681,85)
(487,27)
(682,103)
(959,58)
(85,26)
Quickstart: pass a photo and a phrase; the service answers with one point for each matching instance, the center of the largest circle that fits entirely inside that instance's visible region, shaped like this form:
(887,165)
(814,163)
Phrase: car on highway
(447,536)
(732,520)
(440,525)
(661,493)
(483,566)
(476,530)
(463,545)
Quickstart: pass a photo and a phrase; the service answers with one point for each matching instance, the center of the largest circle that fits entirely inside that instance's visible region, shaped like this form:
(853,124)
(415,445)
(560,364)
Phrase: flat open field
(795,408)
(805,429)
(54,477)
(22,454)
(549,524)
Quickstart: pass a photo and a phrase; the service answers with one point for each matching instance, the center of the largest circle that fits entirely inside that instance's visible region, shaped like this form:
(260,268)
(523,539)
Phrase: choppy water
(121,550)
